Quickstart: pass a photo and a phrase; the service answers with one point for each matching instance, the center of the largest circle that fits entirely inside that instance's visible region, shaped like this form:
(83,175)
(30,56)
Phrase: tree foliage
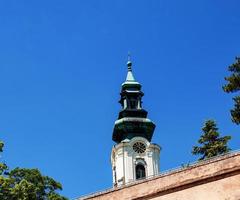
(211,143)
(27,184)
(233,85)
(1,146)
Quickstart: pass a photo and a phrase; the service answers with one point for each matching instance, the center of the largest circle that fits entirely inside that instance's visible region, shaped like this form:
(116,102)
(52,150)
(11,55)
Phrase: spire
(130,77)
(132,119)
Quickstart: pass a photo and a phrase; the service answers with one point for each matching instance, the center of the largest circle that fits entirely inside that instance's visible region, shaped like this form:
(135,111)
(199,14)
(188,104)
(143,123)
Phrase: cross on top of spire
(130,77)
(129,63)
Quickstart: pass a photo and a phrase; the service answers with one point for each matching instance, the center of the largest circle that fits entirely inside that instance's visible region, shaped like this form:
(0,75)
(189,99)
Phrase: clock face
(139,147)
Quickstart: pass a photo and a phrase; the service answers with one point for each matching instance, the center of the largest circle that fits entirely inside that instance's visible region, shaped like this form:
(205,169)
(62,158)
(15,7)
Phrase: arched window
(140,171)
(133,103)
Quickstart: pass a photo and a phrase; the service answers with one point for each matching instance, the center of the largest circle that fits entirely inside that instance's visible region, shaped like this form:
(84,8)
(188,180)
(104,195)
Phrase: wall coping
(162,174)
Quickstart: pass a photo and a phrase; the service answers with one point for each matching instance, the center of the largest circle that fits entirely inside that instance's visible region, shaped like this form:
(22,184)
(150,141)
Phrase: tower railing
(162,173)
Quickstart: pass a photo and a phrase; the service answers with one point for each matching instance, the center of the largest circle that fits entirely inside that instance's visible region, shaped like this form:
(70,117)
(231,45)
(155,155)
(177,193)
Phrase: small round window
(139,147)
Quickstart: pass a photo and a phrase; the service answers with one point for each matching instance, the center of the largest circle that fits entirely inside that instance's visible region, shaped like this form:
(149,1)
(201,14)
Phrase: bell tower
(133,156)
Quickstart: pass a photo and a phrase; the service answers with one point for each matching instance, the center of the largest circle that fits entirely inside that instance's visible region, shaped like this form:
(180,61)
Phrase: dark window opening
(133,104)
(140,171)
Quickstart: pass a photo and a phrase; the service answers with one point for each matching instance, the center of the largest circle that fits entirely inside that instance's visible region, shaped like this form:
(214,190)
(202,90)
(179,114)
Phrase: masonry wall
(215,179)
(223,189)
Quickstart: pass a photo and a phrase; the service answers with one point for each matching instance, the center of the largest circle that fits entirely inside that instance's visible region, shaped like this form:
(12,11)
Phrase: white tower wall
(124,160)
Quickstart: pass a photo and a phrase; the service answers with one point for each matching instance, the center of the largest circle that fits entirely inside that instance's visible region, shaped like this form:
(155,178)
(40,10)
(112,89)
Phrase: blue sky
(62,64)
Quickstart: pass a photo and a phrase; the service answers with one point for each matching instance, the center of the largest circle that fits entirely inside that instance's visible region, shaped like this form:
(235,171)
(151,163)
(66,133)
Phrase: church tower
(133,156)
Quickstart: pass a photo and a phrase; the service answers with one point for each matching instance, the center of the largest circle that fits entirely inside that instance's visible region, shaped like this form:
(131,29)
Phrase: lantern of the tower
(133,156)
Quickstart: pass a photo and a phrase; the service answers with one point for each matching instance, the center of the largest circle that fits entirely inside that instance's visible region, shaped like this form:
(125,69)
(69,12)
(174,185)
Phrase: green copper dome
(132,120)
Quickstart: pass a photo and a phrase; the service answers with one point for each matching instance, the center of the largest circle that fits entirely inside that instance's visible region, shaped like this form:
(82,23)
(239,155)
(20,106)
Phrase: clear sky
(62,64)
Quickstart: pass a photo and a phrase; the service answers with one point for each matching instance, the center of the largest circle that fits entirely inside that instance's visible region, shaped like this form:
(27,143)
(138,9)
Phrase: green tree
(3,166)
(233,85)
(27,184)
(211,143)
(1,146)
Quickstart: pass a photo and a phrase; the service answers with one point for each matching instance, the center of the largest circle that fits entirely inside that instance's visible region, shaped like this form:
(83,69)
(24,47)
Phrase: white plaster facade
(124,160)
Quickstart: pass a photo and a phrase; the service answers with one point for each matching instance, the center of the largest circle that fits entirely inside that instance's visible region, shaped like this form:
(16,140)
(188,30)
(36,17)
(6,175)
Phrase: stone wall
(215,179)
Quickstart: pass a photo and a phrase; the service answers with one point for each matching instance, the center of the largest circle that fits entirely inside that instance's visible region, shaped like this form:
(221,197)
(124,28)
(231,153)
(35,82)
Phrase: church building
(135,161)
